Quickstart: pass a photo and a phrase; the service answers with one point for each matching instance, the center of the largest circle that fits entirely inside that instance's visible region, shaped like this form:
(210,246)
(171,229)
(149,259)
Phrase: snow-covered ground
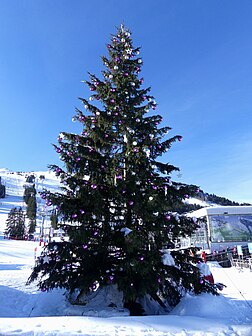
(25,311)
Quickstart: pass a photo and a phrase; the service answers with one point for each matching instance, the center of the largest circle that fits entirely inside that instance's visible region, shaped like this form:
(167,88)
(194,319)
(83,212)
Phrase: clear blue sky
(197,59)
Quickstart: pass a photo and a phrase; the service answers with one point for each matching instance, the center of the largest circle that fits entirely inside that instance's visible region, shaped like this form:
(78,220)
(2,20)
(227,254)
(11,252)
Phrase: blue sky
(197,59)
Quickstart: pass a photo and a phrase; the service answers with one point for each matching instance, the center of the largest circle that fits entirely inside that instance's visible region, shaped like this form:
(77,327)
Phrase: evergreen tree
(32,226)
(30,191)
(30,178)
(15,223)
(117,203)
(54,219)
(2,191)
(31,209)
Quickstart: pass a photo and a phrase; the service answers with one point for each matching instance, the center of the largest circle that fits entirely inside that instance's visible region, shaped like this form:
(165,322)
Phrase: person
(203,256)
(205,272)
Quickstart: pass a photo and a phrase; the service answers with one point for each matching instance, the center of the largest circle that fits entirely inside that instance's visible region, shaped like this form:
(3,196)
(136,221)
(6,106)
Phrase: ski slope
(14,183)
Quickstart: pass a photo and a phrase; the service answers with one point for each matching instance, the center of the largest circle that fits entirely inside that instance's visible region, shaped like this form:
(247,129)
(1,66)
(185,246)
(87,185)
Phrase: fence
(239,257)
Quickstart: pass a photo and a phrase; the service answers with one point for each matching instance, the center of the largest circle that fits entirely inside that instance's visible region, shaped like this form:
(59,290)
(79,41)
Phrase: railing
(230,258)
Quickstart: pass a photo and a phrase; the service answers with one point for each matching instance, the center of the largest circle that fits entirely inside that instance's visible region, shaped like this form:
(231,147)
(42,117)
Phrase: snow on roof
(222,210)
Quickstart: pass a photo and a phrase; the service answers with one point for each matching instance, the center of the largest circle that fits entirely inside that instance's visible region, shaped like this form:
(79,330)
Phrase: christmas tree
(117,203)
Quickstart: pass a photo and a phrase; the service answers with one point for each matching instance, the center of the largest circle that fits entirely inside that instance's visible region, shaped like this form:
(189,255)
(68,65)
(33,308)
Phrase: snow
(25,311)
(167,258)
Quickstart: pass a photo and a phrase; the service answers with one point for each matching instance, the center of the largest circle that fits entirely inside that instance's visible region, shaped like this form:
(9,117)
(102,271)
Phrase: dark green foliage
(15,223)
(2,191)
(183,208)
(30,191)
(118,204)
(32,226)
(222,200)
(30,179)
(31,209)
(54,220)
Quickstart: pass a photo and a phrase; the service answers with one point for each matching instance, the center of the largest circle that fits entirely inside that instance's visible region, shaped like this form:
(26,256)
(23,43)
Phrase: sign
(239,250)
(230,228)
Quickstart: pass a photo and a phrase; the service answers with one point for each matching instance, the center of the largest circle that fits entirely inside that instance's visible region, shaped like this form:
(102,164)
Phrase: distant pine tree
(221,200)
(30,179)
(54,220)
(29,191)
(15,223)
(31,209)
(2,191)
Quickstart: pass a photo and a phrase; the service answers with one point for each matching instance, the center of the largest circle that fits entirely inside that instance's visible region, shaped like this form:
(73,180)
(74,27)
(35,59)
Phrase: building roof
(222,210)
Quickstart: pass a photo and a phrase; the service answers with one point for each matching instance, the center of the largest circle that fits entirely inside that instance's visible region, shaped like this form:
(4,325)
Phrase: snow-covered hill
(14,183)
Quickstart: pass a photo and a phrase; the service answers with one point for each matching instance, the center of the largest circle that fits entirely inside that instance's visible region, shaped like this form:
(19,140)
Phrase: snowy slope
(14,183)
